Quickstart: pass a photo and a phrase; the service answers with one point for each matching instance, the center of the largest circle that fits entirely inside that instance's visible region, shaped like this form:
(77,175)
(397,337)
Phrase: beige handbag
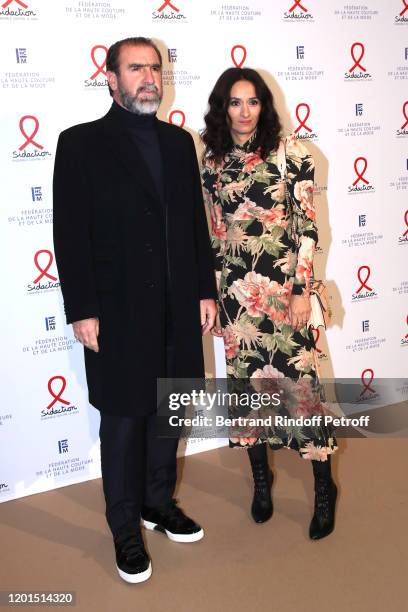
(319,299)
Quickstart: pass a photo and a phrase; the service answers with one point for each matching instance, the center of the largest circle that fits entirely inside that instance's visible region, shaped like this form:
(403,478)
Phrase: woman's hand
(299,311)
(217,329)
(208,311)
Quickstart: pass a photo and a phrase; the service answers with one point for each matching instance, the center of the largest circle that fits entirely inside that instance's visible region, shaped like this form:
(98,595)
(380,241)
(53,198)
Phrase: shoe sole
(135,578)
(265,520)
(175,537)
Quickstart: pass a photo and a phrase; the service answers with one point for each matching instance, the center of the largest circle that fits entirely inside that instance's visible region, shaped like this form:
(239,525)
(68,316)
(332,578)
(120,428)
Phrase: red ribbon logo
(29,139)
(57,397)
(405,9)
(357,61)
(5,4)
(244,54)
(168,3)
(360,175)
(302,122)
(404,112)
(316,336)
(100,68)
(44,271)
(406,222)
(297,3)
(363,282)
(367,386)
(182,118)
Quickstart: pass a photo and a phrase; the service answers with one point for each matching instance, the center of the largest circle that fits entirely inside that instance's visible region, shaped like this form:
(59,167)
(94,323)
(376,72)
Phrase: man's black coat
(114,241)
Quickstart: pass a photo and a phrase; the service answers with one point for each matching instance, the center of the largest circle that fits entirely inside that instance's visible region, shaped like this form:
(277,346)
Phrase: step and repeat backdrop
(339,75)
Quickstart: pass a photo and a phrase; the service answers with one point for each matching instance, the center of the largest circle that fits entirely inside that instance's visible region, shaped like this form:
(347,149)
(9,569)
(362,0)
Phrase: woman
(263,274)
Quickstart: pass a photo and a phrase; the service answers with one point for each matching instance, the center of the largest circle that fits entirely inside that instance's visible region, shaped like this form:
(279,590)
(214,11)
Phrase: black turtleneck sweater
(143,131)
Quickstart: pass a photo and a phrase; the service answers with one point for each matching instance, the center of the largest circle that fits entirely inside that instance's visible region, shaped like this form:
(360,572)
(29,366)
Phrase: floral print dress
(258,268)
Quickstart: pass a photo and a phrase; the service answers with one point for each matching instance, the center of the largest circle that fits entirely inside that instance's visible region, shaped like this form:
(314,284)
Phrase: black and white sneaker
(132,561)
(172,521)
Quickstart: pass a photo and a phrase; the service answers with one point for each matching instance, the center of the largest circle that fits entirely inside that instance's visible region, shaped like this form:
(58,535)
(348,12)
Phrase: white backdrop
(339,76)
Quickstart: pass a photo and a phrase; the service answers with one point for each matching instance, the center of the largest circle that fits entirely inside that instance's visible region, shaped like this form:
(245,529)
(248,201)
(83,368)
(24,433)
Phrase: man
(133,253)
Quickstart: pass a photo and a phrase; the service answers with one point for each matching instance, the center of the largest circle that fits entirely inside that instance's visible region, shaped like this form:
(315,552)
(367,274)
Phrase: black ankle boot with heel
(322,523)
(262,507)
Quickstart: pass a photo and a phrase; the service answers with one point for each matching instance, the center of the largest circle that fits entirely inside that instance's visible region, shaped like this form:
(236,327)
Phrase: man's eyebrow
(144,65)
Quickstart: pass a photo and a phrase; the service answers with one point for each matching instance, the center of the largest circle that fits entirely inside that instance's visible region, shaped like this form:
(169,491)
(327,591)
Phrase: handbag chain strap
(282,167)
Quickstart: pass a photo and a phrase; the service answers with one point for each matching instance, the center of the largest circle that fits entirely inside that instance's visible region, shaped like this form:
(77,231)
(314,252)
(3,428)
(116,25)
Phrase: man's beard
(138,104)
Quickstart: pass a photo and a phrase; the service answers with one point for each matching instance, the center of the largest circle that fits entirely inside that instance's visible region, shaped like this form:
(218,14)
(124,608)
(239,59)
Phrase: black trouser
(138,467)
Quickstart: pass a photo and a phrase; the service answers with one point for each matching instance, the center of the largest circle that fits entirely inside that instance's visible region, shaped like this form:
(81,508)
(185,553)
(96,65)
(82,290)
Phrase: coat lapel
(128,155)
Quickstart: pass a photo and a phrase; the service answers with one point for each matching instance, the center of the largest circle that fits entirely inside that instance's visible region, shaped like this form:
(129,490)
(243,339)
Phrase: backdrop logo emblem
(57,397)
(36,285)
(98,56)
(180,114)
(316,336)
(403,131)
(235,61)
(357,61)
(44,271)
(309,135)
(296,4)
(321,355)
(19,2)
(26,123)
(369,374)
(168,10)
(170,5)
(15,8)
(360,175)
(403,239)
(363,282)
(58,405)
(402,17)
(29,138)
(369,293)
(360,183)
(100,68)
(357,56)
(298,11)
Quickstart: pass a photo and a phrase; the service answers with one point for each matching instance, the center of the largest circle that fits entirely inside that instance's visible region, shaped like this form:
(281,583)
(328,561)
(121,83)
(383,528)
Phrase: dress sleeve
(300,170)
(218,231)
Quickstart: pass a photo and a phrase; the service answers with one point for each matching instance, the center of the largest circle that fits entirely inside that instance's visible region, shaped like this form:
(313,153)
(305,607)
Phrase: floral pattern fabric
(259,266)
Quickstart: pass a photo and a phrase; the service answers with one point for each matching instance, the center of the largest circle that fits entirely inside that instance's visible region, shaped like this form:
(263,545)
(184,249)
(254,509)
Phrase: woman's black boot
(262,507)
(322,523)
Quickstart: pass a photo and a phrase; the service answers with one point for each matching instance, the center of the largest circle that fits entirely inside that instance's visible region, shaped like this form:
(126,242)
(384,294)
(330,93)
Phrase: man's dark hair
(112,58)
(216,135)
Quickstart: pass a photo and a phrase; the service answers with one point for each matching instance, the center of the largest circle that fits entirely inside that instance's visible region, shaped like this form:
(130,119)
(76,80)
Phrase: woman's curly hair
(216,135)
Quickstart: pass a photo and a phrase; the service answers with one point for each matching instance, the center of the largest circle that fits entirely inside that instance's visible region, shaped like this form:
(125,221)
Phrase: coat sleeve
(300,185)
(206,276)
(72,231)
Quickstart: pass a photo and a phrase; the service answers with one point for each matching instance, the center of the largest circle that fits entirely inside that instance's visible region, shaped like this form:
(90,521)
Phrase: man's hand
(87,332)
(208,312)
(299,311)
